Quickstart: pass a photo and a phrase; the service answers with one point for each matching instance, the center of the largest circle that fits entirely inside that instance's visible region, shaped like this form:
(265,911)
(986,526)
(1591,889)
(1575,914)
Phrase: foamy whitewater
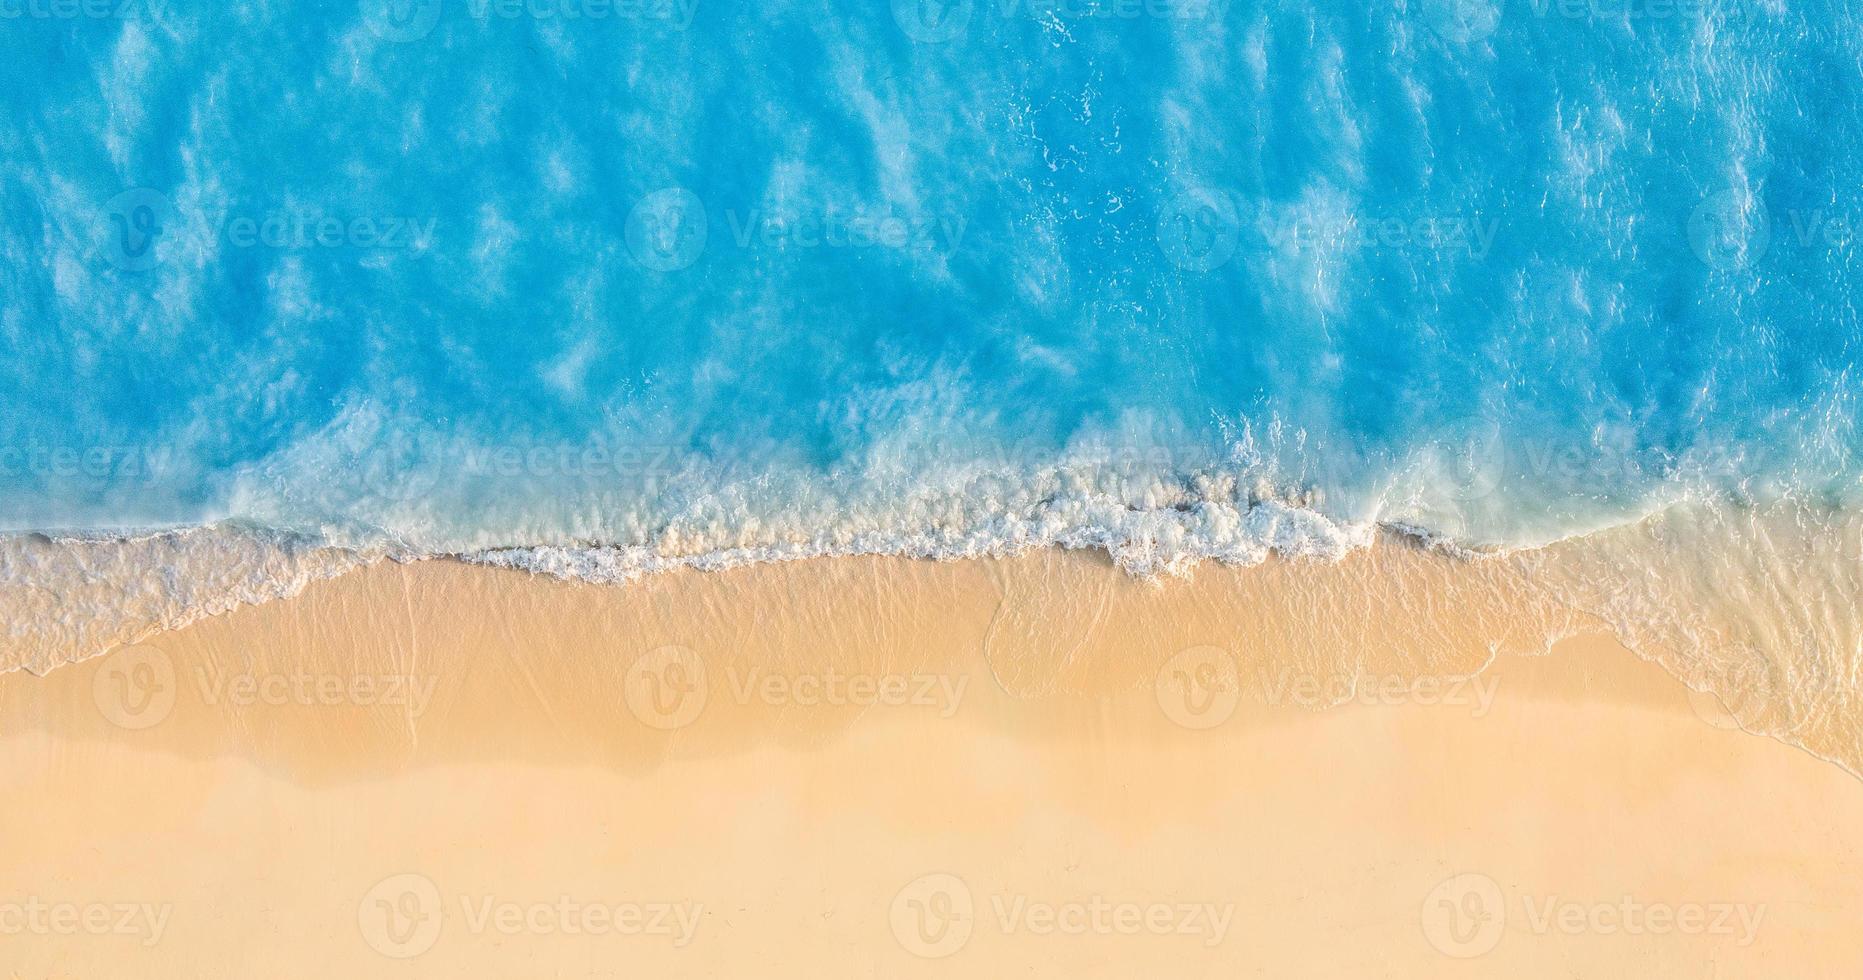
(600,289)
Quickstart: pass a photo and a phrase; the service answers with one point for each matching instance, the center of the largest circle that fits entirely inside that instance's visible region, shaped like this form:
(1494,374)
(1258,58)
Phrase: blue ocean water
(605,285)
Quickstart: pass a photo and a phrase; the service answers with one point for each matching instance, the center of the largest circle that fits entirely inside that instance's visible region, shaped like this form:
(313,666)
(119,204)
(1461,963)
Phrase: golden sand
(882,767)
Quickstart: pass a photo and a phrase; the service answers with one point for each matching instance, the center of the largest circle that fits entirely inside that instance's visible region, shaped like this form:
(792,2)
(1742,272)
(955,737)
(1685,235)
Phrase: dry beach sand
(883,767)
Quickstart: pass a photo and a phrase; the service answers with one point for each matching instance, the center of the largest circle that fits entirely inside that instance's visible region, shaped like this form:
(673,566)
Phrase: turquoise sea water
(599,287)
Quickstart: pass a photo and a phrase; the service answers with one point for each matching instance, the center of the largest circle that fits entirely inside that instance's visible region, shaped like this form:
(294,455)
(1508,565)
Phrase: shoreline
(1373,606)
(1759,622)
(229,564)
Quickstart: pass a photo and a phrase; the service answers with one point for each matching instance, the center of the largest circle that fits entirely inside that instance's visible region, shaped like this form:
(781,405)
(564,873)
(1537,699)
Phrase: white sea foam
(67,597)
(1145,543)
